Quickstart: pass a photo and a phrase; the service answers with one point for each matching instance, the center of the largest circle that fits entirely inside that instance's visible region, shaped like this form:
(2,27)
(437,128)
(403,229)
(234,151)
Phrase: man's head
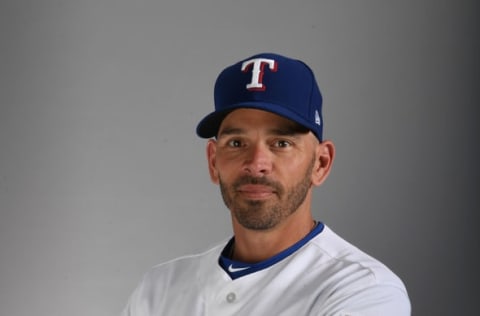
(268,82)
(268,152)
(266,166)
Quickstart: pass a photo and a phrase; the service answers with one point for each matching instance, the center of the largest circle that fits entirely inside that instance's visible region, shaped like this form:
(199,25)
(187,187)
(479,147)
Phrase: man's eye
(234,143)
(282,143)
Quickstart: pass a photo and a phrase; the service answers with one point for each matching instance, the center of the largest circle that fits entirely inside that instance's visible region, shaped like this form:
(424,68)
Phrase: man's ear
(325,153)
(212,159)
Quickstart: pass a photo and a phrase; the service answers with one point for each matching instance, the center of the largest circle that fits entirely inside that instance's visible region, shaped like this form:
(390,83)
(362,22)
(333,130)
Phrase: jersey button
(231,297)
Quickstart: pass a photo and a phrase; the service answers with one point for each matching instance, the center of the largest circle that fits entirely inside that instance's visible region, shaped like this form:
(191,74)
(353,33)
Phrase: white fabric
(327,276)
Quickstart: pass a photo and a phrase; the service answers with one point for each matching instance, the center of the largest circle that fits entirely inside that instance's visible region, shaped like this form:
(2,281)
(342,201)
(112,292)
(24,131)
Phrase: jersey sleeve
(378,300)
(137,304)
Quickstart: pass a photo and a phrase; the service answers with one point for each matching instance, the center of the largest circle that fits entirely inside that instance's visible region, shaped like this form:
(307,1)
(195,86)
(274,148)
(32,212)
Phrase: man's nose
(258,161)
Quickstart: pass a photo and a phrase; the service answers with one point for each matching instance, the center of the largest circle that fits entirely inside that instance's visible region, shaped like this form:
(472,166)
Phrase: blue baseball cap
(269,82)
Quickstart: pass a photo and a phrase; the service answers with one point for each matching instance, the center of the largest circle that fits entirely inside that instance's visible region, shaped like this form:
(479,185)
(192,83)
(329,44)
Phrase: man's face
(263,164)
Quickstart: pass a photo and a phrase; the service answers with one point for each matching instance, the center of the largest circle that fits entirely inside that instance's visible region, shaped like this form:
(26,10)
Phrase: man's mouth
(256,191)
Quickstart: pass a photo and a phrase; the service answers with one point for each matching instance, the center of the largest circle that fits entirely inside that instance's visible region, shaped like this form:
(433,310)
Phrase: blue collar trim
(236,269)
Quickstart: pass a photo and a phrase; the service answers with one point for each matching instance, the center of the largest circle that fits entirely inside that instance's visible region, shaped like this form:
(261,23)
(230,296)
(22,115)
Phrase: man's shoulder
(162,284)
(355,280)
(187,264)
(344,257)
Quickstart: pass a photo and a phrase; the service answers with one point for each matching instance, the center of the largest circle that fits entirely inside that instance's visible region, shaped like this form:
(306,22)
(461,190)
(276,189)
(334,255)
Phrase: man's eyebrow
(230,131)
(287,130)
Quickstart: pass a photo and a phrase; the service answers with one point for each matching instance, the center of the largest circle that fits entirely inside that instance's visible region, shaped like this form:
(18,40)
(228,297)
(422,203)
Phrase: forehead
(245,119)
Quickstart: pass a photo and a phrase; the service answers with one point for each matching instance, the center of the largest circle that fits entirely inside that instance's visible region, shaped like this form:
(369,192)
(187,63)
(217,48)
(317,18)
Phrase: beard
(265,214)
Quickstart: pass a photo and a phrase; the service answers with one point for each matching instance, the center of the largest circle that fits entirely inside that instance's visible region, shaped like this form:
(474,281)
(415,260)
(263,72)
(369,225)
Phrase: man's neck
(257,245)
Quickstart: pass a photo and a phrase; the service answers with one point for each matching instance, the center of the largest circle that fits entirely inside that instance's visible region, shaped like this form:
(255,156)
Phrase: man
(267,153)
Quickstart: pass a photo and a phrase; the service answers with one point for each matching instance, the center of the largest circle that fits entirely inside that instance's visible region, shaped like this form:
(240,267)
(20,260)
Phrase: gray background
(102,176)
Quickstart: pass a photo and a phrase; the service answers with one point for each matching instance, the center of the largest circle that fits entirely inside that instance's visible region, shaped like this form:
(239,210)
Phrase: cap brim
(209,125)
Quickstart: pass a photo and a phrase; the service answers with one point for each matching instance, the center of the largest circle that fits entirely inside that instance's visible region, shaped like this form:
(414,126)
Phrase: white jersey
(324,276)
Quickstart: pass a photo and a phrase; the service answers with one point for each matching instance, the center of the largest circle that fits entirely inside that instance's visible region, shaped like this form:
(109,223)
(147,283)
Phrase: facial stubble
(265,214)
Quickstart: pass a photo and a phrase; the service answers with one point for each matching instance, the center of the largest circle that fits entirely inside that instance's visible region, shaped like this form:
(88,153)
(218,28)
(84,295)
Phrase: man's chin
(256,216)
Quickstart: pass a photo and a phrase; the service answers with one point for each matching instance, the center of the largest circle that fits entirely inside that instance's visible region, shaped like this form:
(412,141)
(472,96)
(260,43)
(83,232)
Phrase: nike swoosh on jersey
(233,270)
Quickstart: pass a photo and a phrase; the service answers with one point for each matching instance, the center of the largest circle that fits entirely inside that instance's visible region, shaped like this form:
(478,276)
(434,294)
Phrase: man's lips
(256,191)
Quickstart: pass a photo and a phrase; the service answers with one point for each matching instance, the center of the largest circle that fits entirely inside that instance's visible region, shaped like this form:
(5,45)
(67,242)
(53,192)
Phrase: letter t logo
(258,65)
